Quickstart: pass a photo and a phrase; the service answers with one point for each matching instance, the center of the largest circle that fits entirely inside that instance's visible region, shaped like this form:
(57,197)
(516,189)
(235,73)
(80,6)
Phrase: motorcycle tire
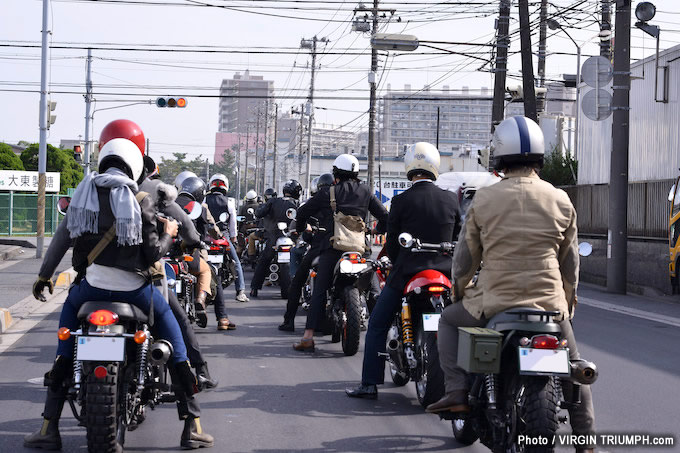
(539,411)
(430,388)
(351,334)
(398,378)
(284,280)
(463,431)
(101,411)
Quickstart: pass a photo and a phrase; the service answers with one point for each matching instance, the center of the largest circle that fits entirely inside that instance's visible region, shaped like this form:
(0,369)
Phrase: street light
(389,41)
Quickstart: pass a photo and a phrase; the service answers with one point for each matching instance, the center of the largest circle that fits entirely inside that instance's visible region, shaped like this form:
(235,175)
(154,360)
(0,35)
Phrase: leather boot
(193,436)
(201,315)
(205,382)
(456,401)
(48,437)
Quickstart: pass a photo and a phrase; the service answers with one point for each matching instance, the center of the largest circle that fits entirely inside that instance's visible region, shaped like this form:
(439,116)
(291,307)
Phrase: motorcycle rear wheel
(351,334)
(539,411)
(463,431)
(101,411)
(284,280)
(430,386)
(398,378)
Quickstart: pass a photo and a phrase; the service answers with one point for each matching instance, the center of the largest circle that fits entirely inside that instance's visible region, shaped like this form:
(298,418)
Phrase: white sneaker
(241,297)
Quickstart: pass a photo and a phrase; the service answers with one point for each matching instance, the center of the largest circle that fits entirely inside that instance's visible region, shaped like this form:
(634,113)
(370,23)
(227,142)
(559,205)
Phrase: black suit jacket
(427,213)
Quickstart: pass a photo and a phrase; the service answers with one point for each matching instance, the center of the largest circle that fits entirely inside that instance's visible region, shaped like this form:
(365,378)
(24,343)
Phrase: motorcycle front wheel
(351,333)
(101,414)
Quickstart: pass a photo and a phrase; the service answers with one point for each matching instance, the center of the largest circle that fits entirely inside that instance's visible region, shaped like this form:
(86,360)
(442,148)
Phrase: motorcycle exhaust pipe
(160,352)
(583,372)
(273,277)
(273,268)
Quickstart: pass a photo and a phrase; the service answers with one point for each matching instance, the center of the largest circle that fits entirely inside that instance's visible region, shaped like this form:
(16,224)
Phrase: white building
(654,147)
(242,98)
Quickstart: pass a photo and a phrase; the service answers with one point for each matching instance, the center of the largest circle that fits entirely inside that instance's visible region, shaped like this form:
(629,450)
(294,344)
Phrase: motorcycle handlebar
(444,247)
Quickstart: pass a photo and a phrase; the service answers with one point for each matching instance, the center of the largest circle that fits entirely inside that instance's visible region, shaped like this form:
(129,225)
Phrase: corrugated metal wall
(654,151)
(648,208)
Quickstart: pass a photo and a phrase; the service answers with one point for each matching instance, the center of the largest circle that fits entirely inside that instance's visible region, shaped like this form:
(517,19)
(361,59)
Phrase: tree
(170,168)
(58,160)
(9,160)
(559,169)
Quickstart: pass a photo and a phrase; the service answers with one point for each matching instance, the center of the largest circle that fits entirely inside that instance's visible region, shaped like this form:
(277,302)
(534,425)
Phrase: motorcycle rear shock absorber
(77,367)
(406,324)
(142,355)
(491,384)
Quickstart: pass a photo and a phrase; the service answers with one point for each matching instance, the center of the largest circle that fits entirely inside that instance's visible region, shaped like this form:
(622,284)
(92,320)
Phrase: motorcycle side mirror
(240,218)
(282,225)
(671,193)
(63,204)
(193,209)
(223,217)
(585,249)
(291,213)
(251,211)
(405,240)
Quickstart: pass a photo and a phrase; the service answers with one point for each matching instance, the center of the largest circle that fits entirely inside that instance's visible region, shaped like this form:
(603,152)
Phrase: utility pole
(302,133)
(245,178)
(263,169)
(257,147)
(437,127)
(617,236)
(310,44)
(500,71)
(42,149)
(276,136)
(88,118)
(606,24)
(238,169)
(527,63)
(542,37)
(147,147)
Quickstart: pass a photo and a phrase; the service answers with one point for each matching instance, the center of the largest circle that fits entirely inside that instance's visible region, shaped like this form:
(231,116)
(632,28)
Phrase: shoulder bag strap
(334,205)
(109,235)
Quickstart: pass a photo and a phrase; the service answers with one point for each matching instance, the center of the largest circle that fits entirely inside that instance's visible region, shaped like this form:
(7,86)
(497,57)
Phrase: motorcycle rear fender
(426,278)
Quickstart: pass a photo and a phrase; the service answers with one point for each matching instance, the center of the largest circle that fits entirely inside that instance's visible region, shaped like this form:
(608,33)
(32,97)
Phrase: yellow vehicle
(674,237)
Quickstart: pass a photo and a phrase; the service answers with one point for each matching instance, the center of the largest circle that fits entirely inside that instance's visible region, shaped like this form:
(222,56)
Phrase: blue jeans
(166,324)
(387,306)
(240,283)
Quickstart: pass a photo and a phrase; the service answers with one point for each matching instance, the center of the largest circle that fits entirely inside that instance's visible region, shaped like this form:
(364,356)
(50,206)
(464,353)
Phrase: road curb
(11,253)
(5,320)
(66,278)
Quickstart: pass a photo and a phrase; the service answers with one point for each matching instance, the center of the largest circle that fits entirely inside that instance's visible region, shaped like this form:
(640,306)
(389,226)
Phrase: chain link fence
(19,214)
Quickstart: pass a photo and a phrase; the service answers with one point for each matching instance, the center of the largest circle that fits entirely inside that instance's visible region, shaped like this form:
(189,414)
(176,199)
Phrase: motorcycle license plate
(101,349)
(431,322)
(284,257)
(544,361)
(215,259)
(178,285)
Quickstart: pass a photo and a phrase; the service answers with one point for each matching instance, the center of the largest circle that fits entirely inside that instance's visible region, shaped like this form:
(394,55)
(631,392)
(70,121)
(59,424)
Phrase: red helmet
(123,129)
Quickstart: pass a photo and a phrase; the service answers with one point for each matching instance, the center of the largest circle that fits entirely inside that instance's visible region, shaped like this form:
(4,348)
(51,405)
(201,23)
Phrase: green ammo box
(479,350)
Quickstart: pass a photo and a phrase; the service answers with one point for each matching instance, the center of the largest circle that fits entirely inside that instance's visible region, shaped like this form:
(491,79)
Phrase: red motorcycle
(412,340)
(220,258)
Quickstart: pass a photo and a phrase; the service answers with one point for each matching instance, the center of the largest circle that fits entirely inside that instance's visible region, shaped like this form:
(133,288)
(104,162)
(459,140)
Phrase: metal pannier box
(479,350)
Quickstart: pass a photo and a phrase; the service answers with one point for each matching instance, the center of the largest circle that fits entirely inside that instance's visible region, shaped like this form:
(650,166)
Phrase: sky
(250,34)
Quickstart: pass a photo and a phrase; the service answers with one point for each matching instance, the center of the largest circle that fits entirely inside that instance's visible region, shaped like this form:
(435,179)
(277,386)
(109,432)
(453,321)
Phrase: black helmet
(292,188)
(193,187)
(269,193)
(325,180)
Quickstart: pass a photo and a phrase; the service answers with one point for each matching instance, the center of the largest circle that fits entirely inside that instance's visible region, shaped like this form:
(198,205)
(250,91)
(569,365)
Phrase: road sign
(597,72)
(27,181)
(597,105)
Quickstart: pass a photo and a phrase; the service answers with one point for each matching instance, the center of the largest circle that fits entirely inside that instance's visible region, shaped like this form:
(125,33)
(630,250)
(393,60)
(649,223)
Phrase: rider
(272,212)
(120,272)
(524,231)
(193,189)
(352,198)
(219,203)
(323,182)
(414,211)
(249,221)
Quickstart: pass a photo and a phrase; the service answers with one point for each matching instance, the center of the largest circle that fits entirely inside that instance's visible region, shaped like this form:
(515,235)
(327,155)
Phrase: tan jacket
(524,232)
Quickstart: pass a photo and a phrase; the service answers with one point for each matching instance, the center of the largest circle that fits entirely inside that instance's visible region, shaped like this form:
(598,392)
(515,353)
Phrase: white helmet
(517,140)
(251,195)
(422,157)
(182,176)
(219,181)
(126,151)
(314,186)
(346,165)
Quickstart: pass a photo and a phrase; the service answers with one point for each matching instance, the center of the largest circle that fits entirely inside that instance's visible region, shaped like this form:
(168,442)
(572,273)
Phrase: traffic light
(171,102)
(77,153)
(51,106)
(483,157)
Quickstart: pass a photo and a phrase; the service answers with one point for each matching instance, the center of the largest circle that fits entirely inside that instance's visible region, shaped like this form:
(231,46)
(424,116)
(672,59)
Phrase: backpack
(349,231)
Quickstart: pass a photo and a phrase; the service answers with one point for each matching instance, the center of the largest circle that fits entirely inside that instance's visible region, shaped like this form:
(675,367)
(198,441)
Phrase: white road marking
(13,261)
(662,319)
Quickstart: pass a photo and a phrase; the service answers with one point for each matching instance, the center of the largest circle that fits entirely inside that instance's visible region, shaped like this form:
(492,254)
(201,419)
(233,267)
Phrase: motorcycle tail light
(188,258)
(313,274)
(64,333)
(436,289)
(140,337)
(215,247)
(100,372)
(285,249)
(545,342)
(353,257)
(102,318)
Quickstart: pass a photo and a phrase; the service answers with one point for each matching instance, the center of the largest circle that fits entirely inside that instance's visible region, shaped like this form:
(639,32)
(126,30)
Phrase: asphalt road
(272,398)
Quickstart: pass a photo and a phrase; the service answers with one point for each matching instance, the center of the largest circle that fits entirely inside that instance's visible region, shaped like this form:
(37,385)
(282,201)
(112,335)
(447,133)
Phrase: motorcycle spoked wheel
(536,413)
(101,411)
(351,331)
(430,379)
(399,377)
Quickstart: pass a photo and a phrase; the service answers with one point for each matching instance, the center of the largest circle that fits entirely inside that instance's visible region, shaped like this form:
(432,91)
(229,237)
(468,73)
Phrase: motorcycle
(119,370)
(220,258)
(520,378)
(181,282)
(280,266)
(412,340)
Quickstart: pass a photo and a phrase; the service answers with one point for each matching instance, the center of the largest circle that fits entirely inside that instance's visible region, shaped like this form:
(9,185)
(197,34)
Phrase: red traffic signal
(171,102)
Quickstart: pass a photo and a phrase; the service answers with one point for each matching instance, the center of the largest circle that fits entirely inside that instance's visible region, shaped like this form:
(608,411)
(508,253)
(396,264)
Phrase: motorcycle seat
(524,319)
(124,311)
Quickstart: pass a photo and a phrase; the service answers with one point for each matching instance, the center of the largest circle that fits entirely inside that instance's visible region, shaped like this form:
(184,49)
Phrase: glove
(187,379)
(39,286)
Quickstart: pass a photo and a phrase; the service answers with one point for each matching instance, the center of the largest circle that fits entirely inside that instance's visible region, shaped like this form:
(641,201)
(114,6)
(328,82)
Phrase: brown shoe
(201,315)
(305,345)
(225,324)
(455,401)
